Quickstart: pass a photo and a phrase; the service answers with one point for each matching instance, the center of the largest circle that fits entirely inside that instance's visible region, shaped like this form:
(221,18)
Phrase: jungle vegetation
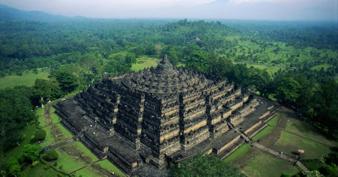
(294,63)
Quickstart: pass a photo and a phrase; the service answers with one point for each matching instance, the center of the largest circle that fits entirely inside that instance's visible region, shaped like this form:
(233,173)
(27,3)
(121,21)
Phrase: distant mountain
(12,14)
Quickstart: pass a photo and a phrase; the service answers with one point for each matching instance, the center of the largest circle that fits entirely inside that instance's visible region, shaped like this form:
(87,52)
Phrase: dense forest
(293,63)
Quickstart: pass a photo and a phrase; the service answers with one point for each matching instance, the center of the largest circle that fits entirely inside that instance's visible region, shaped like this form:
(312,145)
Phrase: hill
(8,13)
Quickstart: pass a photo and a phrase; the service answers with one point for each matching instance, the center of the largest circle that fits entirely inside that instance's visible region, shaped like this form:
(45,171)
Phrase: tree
(15,113)
(39,135)
(120,63)
(327,106)
(51,155)
(67,80)
(30,154)
(201,166)
(45,90)
(12,168)
(288,90)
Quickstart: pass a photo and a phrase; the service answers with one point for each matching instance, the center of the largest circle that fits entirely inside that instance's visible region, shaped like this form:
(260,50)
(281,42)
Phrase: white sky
(225,9)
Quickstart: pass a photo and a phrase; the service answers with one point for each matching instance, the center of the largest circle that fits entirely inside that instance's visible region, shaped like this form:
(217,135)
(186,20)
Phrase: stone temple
(163,115)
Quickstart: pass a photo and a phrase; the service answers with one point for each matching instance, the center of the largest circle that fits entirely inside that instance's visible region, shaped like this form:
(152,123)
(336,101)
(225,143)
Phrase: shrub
(39,135)
(51,155)
(30,154)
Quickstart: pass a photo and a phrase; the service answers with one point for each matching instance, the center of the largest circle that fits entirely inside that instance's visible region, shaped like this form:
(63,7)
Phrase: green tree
(67,80)
(12,168)
(288,90)
(15,113)
(51,155)
(30,154)
(39,135)
(45,90)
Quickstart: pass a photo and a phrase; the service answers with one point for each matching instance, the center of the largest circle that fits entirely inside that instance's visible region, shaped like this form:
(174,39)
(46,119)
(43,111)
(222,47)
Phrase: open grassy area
(241,151)
(265,165)
(106,164)
(144,62)
(294,134)
(269,68)
(26,79)
(300,135)
(39,170)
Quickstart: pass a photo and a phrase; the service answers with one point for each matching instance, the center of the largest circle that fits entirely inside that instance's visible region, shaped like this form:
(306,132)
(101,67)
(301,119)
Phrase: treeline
(300,34)
(29,45)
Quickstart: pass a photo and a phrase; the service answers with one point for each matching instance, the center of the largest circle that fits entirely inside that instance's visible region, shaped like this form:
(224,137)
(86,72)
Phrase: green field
(265,165)
(144,62)
(300,135)
(319,67)
(294,135)
(238,153)
(26,79)
(271,69)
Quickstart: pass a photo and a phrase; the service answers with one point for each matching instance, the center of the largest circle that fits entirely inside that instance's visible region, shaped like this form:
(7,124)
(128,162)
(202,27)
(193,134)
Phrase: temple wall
(130,117)
(228,145)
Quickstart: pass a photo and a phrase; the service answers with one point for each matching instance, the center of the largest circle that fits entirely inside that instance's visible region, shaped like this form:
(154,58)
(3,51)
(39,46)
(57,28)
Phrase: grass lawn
(144,62)
(106,164)
(39,170)
(299,135)
(267,130)
(270,69)
(238,153)
(68,163)
(296,135)
(265,165)
(26,79)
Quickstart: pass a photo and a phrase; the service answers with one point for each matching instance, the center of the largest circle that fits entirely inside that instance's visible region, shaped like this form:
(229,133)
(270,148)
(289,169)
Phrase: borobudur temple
(162,115)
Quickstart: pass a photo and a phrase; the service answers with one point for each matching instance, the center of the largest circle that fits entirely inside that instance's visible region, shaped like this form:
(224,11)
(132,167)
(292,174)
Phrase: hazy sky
(225,9)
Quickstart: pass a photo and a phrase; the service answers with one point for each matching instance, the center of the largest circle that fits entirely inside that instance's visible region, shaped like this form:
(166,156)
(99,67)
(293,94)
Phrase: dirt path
(64,144)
